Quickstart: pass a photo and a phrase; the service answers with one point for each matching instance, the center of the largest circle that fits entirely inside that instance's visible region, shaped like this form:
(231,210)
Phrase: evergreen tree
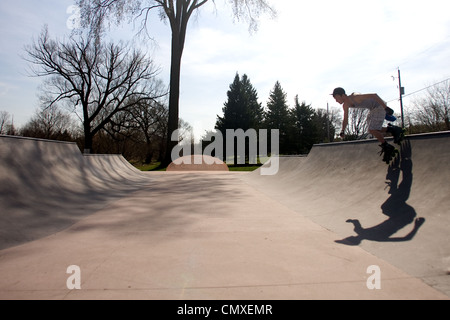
(325,126)
(232,110)
(241,110)
(254,109)
(304,129)
(278,116)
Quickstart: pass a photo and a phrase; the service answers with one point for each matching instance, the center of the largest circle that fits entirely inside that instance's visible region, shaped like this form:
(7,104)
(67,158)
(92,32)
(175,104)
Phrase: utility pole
(328,123)
(402,92)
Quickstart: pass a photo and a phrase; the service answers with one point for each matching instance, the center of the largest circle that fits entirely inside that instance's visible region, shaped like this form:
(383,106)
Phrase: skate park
(312,231)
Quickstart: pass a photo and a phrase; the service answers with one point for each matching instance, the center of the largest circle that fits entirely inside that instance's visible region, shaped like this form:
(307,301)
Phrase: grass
(156,166)
(243,168)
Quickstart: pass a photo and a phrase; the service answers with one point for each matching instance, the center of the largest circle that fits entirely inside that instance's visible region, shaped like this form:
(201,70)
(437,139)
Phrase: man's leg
(397,133)
(378,134)
(375,123)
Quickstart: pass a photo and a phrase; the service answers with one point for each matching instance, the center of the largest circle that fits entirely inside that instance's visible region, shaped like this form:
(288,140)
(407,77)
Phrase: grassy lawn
(156,166)
(243,167)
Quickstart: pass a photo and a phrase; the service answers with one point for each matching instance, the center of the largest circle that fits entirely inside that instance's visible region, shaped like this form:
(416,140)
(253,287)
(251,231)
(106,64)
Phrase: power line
(420,90)
(410,94)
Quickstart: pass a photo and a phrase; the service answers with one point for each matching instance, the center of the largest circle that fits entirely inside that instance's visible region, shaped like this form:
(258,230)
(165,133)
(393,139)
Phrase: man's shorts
(375,119)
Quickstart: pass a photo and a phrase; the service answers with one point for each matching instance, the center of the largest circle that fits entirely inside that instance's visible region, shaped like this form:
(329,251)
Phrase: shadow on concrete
(48,186)
(192,199)
(400,213)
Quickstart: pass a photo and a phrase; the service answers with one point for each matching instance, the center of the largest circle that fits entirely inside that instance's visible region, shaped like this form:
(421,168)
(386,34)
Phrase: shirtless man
(377,113)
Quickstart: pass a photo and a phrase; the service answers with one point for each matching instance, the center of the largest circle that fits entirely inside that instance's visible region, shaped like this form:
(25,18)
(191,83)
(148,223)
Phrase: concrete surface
(219,235)
(46,186)
(197,163)
(400,213)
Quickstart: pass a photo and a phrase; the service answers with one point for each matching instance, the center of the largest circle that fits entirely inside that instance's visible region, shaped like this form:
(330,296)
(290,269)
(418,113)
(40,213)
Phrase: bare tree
(151,118)
(95,14)
(358,122)
(4,122)
(50,123)
(145,123)
(432,111)
(95,80)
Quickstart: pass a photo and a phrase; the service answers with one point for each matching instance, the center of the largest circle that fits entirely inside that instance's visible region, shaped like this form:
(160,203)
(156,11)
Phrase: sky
(311,47)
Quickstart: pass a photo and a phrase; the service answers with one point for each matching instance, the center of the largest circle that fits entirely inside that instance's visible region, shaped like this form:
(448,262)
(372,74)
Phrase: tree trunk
(88,142)
(88,136)
(148,150)
(178,37)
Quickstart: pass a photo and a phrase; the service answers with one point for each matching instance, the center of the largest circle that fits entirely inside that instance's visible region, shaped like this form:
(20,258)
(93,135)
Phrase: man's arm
(345,121)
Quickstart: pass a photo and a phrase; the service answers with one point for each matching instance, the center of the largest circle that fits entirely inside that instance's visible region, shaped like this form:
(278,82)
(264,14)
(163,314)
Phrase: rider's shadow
(395,207)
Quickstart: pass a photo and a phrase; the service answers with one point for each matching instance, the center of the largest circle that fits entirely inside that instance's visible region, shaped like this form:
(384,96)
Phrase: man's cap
(338,92)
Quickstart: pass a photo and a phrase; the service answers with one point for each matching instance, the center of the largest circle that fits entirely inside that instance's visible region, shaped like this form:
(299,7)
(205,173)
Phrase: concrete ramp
(45,186)
(400,213)
(224,235)
(114,168)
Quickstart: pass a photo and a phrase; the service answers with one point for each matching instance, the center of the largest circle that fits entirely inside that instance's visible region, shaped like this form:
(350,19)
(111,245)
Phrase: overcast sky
(310,48)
